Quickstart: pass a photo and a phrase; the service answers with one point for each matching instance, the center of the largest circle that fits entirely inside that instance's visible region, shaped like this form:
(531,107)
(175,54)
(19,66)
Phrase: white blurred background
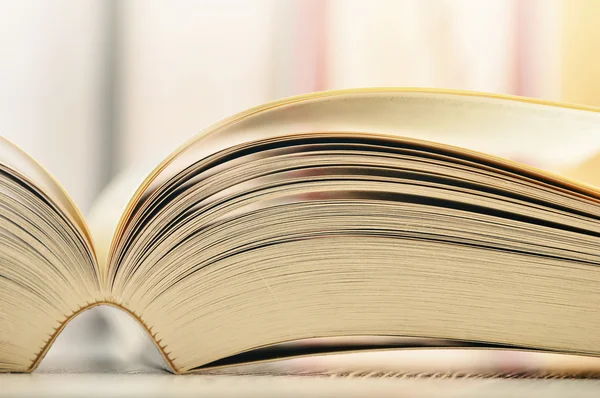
(90,87)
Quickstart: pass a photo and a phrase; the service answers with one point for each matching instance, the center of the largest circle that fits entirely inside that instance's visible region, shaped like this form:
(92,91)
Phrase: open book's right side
(315,217)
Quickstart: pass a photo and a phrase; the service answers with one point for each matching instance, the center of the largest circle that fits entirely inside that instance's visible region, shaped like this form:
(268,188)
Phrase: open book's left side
(48,268)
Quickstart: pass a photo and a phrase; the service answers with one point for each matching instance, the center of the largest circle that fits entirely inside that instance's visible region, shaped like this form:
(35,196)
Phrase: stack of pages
(317,216)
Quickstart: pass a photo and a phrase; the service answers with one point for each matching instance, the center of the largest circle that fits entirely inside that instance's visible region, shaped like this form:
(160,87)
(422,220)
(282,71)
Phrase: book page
(494,124)
(16,159)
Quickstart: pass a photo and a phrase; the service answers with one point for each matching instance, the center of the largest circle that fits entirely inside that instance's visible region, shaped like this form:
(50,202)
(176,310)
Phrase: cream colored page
(555,137)
(444,117)
(48,263)
(107,209)
(16,159)
(587,171)
(551,137)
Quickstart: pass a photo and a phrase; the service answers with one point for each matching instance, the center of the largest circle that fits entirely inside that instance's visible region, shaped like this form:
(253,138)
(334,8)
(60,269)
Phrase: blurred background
(90,87)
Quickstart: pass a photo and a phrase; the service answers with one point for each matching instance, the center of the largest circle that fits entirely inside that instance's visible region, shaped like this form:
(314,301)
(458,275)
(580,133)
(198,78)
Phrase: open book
(313,217)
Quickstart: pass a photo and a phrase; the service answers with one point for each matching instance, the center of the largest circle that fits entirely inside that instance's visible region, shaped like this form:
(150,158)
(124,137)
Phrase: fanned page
(316,216)
(47,262)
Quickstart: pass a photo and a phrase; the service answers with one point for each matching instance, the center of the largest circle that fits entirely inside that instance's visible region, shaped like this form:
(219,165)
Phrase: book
(317,216)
